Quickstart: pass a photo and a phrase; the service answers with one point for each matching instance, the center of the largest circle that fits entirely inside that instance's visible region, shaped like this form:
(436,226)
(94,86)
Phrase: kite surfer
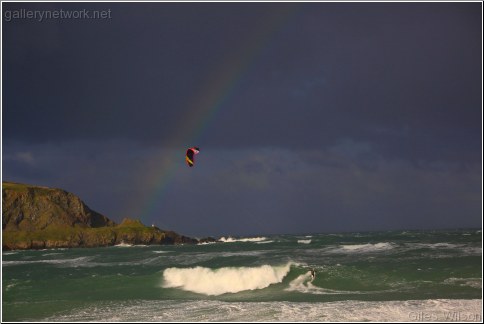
(313,274)
(190,156)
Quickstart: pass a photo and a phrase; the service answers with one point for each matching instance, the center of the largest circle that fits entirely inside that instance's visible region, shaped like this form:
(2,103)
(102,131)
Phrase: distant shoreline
(36,217)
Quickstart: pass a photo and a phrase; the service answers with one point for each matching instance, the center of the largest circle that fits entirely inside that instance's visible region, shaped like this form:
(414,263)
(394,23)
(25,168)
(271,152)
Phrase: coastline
(36,217)
(90,237)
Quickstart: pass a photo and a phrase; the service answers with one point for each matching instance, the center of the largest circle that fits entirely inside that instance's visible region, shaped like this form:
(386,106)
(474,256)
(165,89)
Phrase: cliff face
(39,217)
(33,208)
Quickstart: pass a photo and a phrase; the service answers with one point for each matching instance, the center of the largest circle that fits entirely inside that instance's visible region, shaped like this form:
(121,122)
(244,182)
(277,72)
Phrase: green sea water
(375,276)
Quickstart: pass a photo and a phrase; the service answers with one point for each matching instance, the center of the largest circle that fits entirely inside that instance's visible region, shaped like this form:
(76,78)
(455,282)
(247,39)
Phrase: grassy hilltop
(36,217)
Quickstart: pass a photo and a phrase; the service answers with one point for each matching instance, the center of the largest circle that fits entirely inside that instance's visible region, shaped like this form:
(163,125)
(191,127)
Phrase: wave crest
(303,284)
(224,280)
(248,239)
(377,247)
(304,241)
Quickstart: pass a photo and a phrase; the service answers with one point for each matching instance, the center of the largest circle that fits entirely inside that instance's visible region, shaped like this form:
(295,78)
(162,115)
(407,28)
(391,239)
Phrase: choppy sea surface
(373,276)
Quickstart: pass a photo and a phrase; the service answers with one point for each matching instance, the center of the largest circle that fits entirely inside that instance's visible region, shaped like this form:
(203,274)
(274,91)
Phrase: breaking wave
(224,280)
(303,284)
(304,241)
(377,247)
(265,242)
(123,244)
(248,239)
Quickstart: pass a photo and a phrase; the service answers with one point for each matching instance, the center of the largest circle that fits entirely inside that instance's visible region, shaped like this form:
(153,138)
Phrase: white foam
(9,252)
(54,253)
(444,245)
(472,250)
(264,242)
(75,262)
(469,282)
(304,241)
(206,243)
(247,239)
(440,245)
(123,244)
(224,280)
(301,283)
(363,248)
(464,249)
(10,286)
(436,310)
(304,285)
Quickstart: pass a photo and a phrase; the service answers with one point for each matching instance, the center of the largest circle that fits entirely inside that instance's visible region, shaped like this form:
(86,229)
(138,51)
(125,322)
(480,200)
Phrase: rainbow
(204,105)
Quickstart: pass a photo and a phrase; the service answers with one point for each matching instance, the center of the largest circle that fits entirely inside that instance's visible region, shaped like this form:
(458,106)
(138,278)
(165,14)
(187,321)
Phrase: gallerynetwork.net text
(41,15)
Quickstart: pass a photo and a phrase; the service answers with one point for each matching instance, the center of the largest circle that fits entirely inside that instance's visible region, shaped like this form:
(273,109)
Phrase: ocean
(374,276)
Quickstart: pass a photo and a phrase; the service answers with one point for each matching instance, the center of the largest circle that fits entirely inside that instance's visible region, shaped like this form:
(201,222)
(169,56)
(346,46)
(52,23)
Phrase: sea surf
(374,276)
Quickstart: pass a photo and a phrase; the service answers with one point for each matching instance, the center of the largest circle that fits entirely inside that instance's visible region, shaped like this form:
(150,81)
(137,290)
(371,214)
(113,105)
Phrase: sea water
(375,276)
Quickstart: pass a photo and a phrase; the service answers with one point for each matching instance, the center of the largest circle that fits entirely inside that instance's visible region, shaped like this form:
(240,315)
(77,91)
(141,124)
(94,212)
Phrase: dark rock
(207,240)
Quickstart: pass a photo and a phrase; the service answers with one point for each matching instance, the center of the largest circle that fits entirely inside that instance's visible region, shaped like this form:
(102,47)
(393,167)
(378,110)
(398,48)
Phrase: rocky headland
(35,217)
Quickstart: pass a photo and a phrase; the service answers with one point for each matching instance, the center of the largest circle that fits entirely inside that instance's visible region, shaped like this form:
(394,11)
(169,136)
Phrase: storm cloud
(318,116)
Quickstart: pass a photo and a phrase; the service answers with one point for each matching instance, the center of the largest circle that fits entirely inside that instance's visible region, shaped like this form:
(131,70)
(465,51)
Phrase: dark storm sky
(337,117)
